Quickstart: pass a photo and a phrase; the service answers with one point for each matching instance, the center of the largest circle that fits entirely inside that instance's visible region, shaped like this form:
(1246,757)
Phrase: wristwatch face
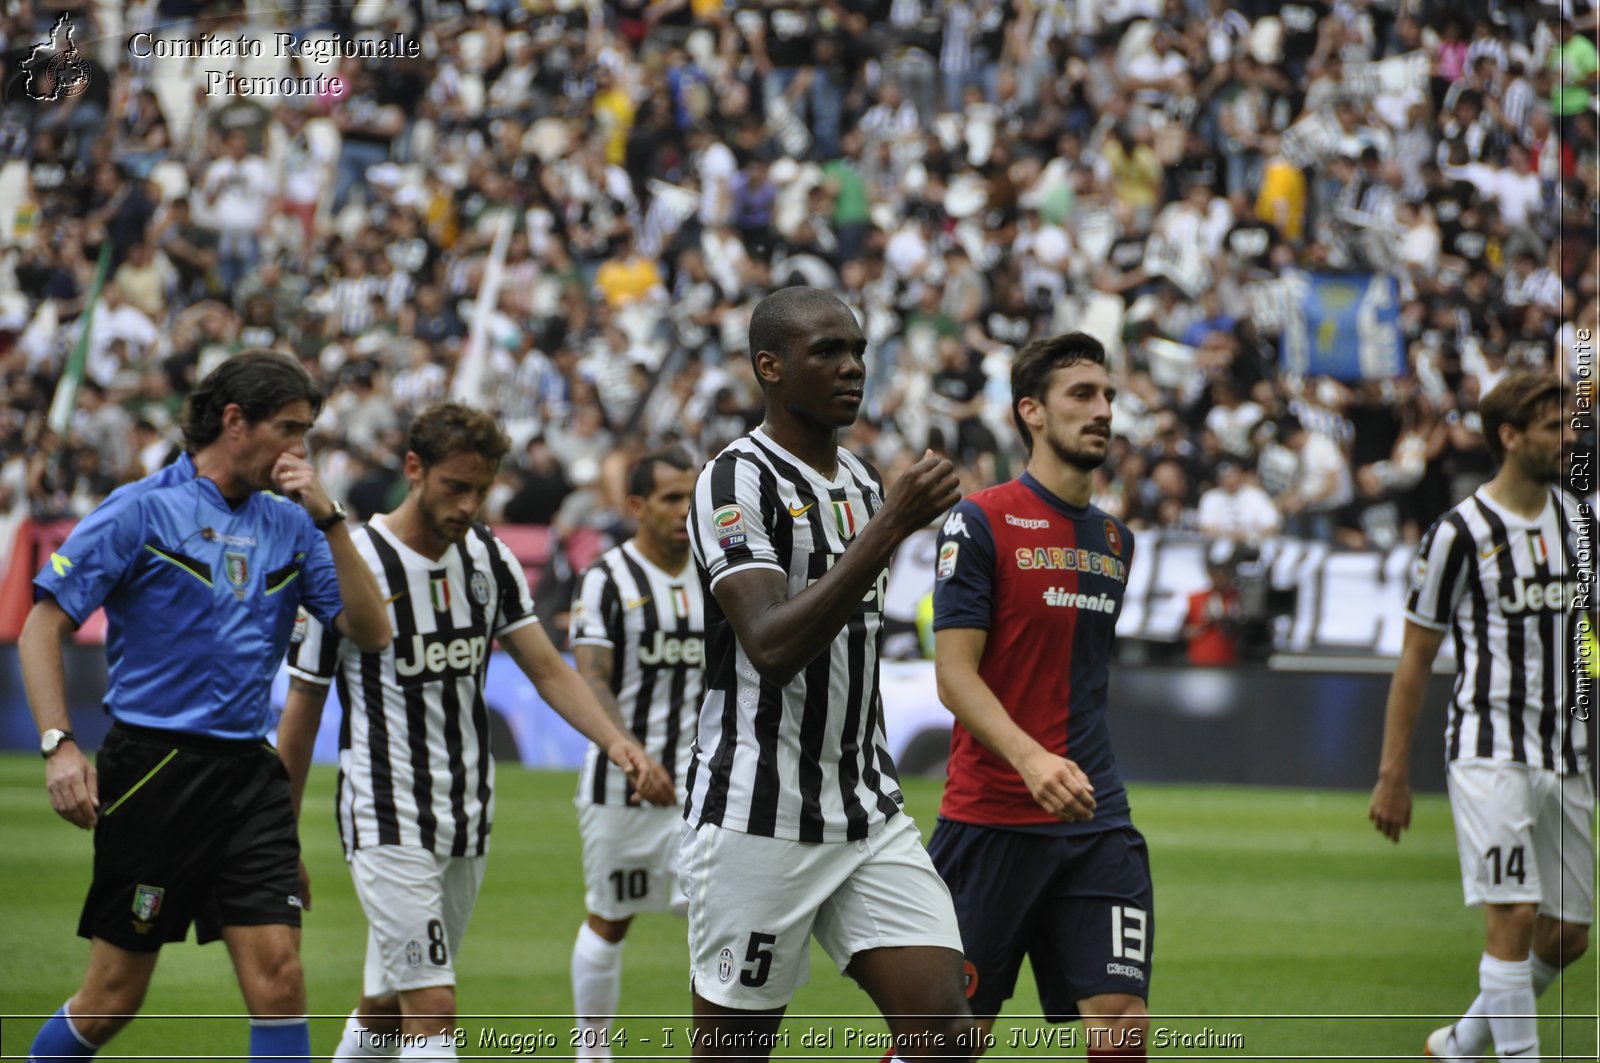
(331,519)
(51,739)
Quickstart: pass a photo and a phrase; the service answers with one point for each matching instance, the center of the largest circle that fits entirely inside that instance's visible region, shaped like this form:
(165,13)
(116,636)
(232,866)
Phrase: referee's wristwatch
(331,519)
(51,741)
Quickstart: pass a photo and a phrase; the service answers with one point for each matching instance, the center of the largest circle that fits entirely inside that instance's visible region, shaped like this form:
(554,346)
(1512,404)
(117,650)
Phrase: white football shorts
(418,904)
(1525,836)
(630,858)
(755,902)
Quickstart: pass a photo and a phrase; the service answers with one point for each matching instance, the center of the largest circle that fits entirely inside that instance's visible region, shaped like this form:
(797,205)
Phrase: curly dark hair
(446,429)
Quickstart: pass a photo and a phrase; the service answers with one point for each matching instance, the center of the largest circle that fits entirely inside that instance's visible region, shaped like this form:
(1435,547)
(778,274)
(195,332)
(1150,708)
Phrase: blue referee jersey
(200,598)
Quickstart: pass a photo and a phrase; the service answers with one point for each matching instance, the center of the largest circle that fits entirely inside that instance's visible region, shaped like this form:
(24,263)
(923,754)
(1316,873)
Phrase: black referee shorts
(191,829)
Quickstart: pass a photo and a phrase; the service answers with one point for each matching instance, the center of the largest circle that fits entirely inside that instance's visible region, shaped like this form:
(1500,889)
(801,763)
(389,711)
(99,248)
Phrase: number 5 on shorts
(759,953)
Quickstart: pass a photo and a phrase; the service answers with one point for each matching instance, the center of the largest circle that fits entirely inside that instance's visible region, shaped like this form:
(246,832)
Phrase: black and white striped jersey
(1511,591)
(654,623)
(808,760)
(414,761)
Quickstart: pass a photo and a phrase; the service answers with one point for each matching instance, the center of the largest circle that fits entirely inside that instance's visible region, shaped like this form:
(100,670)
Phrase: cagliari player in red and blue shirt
(1035,838)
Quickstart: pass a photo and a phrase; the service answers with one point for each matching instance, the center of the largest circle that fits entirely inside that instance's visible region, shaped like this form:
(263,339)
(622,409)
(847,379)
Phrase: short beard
(441,530)
(1083,460)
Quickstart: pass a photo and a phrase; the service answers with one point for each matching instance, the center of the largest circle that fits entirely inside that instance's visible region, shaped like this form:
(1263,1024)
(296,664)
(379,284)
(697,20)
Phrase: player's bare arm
(595,664)
(1390,811)
(69,776)
(782,635)
(364,620)
(1057,784)
(569,695)
(297,734)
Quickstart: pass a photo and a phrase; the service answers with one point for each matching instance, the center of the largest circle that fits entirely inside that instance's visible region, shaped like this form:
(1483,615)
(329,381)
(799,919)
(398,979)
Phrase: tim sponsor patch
(729,525)
(947,560)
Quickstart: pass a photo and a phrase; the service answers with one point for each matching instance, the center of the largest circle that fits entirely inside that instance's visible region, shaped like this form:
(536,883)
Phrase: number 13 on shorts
(1128,933)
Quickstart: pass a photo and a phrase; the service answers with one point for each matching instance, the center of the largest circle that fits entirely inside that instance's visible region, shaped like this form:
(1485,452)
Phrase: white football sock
(1542,973)
(1507,994)
(1472,1031)
(596,989)
(357,1043)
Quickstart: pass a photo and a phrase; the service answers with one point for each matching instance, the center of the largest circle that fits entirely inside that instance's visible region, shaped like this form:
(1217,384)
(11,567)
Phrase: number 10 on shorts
(1128,933)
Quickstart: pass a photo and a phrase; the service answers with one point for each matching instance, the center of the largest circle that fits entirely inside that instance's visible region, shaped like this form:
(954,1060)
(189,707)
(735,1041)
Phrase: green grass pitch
(1287,929)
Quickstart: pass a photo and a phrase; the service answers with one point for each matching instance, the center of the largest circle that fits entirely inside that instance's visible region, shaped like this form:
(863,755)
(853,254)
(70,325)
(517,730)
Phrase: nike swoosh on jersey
(636,602)
(793,512)
(1487,554)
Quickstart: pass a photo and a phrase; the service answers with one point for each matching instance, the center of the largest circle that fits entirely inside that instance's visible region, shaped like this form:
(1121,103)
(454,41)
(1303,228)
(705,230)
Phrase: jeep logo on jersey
(669,649)
(442,655)
(1533,596)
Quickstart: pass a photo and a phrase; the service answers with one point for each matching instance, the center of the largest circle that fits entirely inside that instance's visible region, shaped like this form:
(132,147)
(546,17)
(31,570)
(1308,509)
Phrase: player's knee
(431,1003)
(1116,1026)
(961,1037)
(275,987)
(1574,942)
(610,930)
(1510,927)
(380,1015)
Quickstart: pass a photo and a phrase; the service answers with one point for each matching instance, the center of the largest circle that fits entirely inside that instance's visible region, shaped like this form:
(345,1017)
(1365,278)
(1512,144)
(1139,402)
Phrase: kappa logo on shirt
(1030,523)
(956,524)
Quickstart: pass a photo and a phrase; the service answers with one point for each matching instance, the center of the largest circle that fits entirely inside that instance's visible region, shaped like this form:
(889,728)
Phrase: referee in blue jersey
(201,568)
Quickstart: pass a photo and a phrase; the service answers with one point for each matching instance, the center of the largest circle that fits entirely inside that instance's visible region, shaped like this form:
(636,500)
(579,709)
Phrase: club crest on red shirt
(1113,540)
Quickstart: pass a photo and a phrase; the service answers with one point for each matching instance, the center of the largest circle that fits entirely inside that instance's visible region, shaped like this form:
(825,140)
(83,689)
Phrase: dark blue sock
(279,1041)
(57,1041)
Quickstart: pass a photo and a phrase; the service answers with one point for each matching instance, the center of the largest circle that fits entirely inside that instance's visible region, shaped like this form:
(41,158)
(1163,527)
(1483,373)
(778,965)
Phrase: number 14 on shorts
(1513,866)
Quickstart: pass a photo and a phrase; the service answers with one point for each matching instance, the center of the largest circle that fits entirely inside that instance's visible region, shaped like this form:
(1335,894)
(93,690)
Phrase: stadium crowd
(966,174)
